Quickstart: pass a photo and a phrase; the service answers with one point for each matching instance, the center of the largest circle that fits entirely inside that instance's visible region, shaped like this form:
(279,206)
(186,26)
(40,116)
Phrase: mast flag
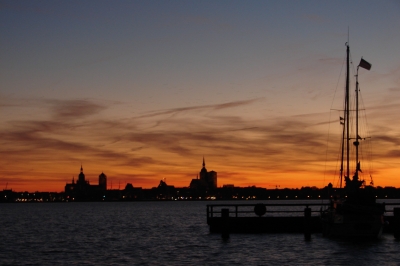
(365,64)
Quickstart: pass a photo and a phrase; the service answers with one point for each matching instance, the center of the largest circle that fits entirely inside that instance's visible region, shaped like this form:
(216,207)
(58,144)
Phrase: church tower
(208,179)
(203,173)
(81,178)
(103,181)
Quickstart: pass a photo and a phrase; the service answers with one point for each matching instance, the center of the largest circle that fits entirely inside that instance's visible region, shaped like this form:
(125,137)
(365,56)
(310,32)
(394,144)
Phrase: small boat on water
(355,213)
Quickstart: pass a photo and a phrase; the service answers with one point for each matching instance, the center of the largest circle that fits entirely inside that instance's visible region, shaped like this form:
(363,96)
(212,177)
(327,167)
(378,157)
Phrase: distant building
(82,190)
(207,180)
(164,191)
(103,181)
(131,193)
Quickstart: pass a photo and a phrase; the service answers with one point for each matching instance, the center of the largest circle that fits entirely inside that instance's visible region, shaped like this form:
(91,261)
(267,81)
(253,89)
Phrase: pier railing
(278,209)
(275,209)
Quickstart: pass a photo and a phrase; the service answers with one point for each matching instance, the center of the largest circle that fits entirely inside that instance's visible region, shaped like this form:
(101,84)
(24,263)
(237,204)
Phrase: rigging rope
(329,125)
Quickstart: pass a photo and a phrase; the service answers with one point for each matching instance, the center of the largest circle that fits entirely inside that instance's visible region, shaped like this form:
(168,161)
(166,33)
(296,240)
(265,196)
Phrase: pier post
(208,213)
(225,223)
(307,223)
(396,221)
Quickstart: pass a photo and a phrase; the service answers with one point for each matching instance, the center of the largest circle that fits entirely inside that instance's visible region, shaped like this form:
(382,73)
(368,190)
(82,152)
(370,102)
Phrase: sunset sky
(142,90)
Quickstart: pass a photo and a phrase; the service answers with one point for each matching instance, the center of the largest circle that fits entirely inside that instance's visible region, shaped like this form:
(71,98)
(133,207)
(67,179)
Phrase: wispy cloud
(201,107)
(68,109)
(157,142)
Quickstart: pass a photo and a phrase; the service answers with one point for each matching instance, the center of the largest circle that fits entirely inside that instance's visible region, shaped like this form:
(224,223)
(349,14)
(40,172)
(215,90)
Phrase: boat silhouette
(355,213)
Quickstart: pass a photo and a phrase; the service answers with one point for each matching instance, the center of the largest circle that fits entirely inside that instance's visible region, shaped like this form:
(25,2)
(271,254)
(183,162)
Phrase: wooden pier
(276,218)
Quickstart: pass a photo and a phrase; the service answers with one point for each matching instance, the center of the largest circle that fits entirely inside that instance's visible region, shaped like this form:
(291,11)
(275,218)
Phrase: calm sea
(162,233)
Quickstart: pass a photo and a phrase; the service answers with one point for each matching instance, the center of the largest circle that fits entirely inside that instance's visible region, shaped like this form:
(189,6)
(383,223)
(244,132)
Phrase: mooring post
(307,223)
(225,223)
(208,213)
(396,221)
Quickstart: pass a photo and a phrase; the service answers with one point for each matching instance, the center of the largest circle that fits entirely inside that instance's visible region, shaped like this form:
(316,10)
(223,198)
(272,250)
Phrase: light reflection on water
(161,233)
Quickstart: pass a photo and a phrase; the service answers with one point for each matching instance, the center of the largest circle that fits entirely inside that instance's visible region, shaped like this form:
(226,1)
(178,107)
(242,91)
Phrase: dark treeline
(166,192)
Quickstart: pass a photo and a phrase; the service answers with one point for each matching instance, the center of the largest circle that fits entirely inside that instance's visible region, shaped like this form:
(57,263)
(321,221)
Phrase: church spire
(81,177)
(203,169)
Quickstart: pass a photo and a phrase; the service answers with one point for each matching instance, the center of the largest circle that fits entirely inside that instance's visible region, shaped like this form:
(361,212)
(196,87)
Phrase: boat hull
(352,226)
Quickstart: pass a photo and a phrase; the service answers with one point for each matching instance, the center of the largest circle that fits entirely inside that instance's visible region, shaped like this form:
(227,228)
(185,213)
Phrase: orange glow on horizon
(291,180)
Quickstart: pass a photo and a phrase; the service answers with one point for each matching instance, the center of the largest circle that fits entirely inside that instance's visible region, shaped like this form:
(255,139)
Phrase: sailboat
(355,213)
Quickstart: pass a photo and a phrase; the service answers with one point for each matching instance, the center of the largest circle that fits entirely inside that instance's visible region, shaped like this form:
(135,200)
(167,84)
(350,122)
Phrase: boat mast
(342,155)
(356,143)
(367,66)
(347,112)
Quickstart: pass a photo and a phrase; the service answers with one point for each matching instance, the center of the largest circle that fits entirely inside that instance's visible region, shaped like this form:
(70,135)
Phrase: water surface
(161,233)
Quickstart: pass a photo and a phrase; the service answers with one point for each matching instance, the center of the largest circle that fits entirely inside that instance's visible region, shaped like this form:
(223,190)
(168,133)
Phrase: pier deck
(277,218)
